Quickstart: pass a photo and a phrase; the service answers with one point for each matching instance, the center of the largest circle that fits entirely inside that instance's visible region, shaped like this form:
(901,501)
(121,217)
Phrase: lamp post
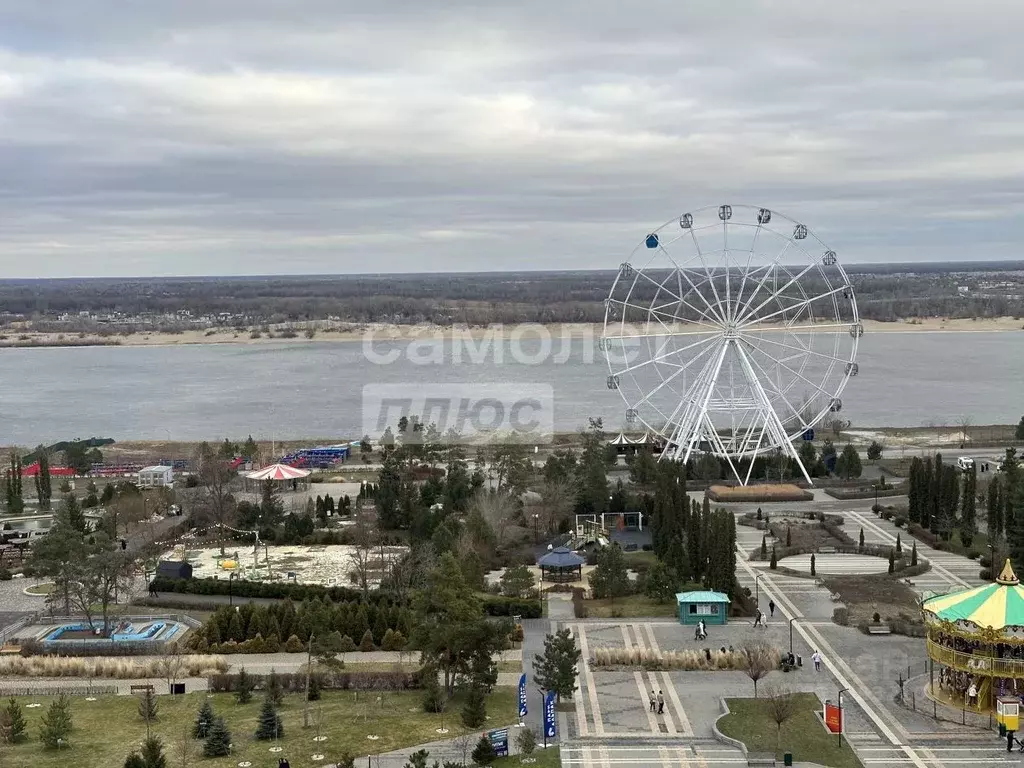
(757,589)
(231,596)
(791,633)
(841,692)
(536,517)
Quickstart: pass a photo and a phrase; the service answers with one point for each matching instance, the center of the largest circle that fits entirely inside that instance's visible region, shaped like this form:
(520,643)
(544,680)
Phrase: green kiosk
(712,607)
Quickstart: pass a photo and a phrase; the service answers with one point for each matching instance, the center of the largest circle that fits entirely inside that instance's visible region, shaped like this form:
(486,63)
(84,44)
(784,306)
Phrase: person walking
(696,631)
(757,618)
(816,658)
(652,699)
(771,608)
(661,703)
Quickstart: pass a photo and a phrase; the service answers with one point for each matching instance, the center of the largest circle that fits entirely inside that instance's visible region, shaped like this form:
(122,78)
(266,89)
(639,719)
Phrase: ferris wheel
(733,331)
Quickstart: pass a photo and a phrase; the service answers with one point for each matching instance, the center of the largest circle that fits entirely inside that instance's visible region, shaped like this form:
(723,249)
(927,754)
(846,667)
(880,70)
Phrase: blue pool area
(125,631)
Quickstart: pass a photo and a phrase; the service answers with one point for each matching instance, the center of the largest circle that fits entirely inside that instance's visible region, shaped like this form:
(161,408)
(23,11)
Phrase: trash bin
(1002,730)
(799,660)
(787,758)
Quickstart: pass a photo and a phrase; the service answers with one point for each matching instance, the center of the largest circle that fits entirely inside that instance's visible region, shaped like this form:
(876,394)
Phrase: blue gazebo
(560,565)
(712,607)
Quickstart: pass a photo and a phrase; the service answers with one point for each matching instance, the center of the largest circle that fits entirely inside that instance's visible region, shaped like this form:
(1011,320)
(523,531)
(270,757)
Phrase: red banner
(833,718)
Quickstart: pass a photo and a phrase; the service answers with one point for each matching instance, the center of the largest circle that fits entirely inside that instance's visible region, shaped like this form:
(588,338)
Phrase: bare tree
(964,424)
(497,509)
(215,478)
(759,660)
(364,540)
(781,707)
(170,664)
(463,746)
(185,747)
(558,498)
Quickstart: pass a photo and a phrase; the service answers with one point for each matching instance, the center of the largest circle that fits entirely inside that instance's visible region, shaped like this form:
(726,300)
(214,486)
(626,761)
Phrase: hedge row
(493,605)
(274,590)
(849,494)
(342,680)
(33,647)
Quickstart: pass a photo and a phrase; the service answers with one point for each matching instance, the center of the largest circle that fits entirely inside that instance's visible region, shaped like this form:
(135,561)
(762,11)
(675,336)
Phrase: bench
(879,629)
(140,688)
(826,550)
(835,597)
(760,758)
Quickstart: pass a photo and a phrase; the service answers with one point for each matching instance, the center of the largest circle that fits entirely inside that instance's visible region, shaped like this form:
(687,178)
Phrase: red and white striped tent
(280,473)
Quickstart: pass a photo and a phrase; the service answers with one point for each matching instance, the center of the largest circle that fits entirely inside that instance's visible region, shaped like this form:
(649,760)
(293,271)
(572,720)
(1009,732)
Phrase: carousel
(976,639)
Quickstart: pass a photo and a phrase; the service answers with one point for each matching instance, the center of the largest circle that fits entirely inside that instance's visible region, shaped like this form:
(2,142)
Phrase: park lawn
(630,607)
(108,728)
(803,734)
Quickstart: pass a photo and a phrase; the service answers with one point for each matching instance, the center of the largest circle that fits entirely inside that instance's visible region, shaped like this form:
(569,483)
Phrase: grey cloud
(263,136)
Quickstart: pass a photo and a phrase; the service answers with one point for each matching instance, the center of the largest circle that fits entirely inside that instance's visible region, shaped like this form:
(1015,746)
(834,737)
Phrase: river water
(294,390)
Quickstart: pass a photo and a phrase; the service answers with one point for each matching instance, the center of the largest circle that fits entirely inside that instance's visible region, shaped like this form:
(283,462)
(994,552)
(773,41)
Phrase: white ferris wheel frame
(725,324)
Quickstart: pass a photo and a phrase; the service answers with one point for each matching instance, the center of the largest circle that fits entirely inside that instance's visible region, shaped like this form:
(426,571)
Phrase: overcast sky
(276,136)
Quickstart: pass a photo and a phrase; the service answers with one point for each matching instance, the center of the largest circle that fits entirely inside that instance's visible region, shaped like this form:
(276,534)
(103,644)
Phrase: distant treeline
(884,292)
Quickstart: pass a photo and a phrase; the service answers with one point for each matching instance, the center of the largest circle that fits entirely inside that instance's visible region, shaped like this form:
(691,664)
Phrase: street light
(791,633)
(841,692)
(757,589)
(231,597)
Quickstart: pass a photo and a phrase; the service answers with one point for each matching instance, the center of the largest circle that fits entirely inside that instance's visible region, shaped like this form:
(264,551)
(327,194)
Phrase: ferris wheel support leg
(686,427)
(702,415)
(753,455)
(772,423)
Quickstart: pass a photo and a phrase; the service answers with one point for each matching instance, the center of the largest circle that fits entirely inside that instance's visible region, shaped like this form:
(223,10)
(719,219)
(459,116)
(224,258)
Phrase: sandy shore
(390,332)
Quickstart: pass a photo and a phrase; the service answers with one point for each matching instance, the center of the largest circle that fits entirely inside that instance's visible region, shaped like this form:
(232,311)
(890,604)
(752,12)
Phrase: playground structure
(327,565)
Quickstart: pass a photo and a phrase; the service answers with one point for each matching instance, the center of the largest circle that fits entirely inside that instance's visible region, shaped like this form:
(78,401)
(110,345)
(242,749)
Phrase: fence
(913,697)
(77,690)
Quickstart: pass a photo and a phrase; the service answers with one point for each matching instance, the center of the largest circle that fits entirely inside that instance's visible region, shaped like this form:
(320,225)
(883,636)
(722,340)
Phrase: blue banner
(522,696)
(549,715)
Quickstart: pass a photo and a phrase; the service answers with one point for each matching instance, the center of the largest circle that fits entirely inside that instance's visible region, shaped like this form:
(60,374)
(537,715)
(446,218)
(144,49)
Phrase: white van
(964,463)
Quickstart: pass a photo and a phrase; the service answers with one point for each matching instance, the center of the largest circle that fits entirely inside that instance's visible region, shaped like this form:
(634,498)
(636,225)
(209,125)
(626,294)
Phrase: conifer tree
(556,668)
(968,507)
(269,725)
(148,707)
(274,690)
(204,721)
(56,725)
(218,739)
(474,711)
(16,726)
(153,753)
(243,686)
(483,753)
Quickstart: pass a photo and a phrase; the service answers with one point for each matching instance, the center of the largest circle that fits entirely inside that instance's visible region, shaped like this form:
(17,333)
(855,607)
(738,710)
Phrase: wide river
(294,390)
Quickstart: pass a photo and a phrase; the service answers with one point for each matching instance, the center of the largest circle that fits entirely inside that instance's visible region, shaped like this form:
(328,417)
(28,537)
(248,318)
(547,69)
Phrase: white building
(155,477)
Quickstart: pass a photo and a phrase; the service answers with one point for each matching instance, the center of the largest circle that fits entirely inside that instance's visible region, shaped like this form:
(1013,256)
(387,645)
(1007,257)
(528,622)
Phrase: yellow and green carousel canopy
(991,606)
